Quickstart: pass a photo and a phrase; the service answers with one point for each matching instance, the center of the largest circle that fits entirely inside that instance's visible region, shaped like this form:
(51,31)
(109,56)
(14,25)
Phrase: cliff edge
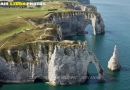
(42,53)
(60,63)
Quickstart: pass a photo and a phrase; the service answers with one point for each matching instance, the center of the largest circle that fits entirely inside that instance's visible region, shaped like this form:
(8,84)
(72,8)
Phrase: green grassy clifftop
(25,29)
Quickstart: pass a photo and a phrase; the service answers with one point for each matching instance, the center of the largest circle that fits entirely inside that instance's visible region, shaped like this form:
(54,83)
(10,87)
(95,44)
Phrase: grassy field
(22,25)
(13,21)
(11,24)
(7,14)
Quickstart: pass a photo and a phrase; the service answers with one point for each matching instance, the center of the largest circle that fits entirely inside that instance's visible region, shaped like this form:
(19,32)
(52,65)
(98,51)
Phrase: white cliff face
(74,23)
(61,65)
(26,71)
(69,65)
(113,63)
(81,7)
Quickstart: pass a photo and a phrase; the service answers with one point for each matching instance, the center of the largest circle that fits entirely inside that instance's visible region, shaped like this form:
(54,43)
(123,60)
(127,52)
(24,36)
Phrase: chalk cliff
(79,6)
(60,63)
(73,23)
(51,59)
(48,57)
(113,63)
(69,65)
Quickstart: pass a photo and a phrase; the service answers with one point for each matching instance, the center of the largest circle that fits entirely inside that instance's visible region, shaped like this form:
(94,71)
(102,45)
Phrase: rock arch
(89,29)
(75,22)
(92,59)
(72,68)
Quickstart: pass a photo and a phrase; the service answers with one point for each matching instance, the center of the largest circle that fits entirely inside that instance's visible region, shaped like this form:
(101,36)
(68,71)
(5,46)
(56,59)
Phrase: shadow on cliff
(40,80)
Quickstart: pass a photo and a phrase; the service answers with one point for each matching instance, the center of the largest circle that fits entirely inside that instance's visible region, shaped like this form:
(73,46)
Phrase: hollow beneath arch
(38,80)
(89,29)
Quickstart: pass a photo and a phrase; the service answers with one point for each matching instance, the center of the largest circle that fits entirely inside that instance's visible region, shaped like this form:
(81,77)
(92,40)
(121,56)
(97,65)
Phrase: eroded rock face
(27,71)
(113,63)
(61,64)
(81,7)
(72,67)
(74,23)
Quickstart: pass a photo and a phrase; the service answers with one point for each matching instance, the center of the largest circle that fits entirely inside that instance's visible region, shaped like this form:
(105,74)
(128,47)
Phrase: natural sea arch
(73,23)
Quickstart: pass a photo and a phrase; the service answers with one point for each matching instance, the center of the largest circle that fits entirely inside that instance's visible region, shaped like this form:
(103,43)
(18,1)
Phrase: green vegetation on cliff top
(13,23)
(23,25)
(8,16)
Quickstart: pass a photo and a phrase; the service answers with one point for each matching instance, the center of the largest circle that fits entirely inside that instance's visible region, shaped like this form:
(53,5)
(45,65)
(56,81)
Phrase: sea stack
(113,63)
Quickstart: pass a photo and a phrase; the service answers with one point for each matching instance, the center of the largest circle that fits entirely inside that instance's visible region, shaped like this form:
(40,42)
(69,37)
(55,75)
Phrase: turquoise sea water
(117,21)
